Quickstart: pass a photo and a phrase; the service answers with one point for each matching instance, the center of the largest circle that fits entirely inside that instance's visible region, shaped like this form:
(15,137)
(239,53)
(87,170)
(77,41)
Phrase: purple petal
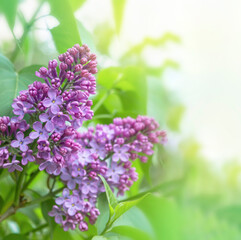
(23,147)
(44,117)
(11,169)
(24,161)
(116,148)
(85,189)
(28,140)
(15,161)
(52,93)
(51,168)
(18,112)
(57,171)
(125,148)
(34,135)
(28,105)
(6,165)
(15,143)
(54,109)
(49,126)
(47,102)
(66,192)
(60,200)
(31,158)
(78,205)
(125,157)
(71,211)
(115,157)
(68,204)
(65,177)
(20,105)
(20,136)
(17,167)
(37,126)
(71,184)
(58,100)
(93,188)
(43,165)
(52,213)
(58,219)
(43,136)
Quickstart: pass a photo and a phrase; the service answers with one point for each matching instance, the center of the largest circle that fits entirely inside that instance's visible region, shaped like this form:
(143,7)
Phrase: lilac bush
(45,130)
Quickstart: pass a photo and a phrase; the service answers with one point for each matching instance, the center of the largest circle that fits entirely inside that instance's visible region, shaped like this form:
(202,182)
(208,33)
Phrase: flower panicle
(55,108)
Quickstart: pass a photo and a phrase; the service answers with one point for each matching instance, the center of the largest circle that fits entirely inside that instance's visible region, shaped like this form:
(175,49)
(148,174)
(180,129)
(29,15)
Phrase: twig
(11,210)
(32,176)
(37,229)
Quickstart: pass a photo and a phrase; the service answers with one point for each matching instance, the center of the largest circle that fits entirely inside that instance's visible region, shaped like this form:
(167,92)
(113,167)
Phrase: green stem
(44,198)
(32,176)
(66,84)
(19,186)
(110,91)
(37,229)
(12,210)
(102,100)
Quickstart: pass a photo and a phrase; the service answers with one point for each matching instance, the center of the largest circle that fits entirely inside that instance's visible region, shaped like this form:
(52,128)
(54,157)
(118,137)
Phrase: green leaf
(130,217)
(66,34)
(123,207)
(9,9)
(118,9)
(108,76)
(15,237)
(12,82)
(99,238)
(24,222)
(135,188)
(46,207)
(103,218)
(113,103)
(133,233)
(134,86)
(30,213)
(163,215)
(60,234)
(110,195)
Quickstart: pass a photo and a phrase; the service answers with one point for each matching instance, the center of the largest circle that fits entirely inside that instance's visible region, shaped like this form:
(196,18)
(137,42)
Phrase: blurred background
(177,61)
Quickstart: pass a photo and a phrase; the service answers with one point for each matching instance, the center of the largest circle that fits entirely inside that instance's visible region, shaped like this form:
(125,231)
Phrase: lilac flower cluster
(55,109)
(9,129)
(109,151)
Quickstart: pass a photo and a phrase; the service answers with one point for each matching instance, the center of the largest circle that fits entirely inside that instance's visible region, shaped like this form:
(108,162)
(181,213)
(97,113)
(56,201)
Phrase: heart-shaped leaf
(12,82)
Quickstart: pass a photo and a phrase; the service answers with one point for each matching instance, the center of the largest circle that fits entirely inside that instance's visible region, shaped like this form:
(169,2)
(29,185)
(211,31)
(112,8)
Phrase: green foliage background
(187,199)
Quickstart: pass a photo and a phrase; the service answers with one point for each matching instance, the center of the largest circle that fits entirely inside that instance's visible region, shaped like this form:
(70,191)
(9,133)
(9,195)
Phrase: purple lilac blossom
(27,157)
(46,118)
(21,142)
(39,132)
(53,101)
(58,108)
(14,165)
